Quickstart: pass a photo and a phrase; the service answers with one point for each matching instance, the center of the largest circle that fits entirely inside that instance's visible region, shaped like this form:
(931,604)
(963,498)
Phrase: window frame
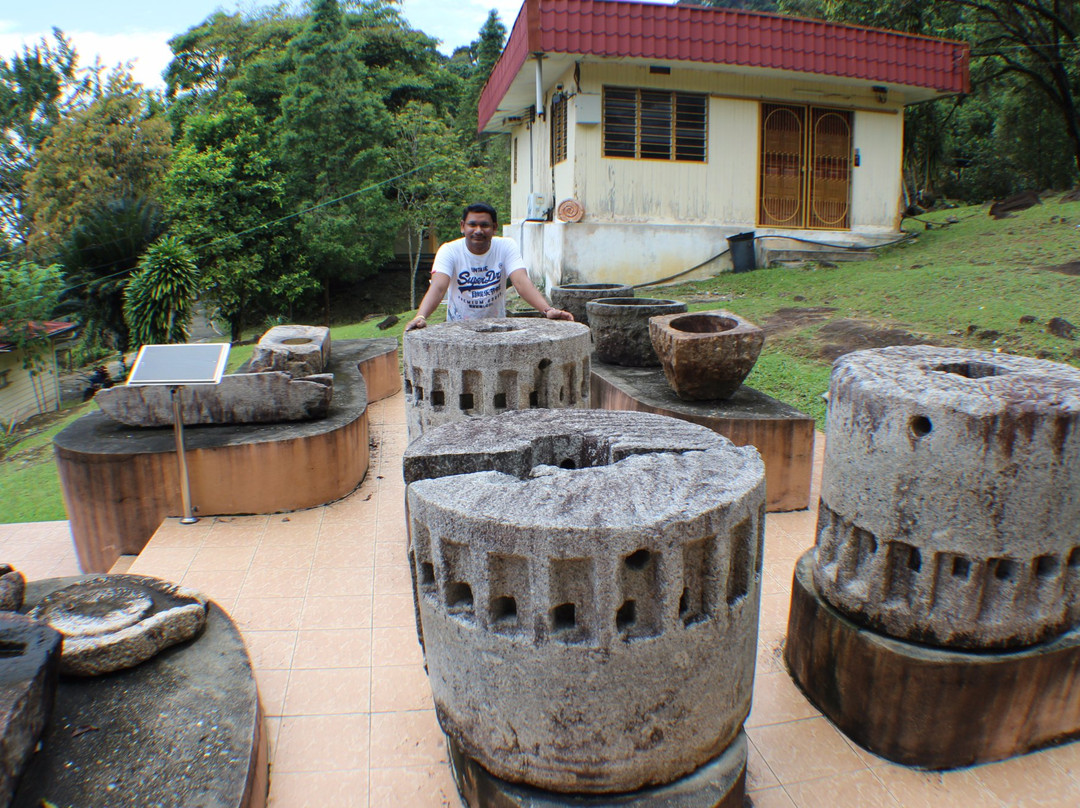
(559,132)
(643,123)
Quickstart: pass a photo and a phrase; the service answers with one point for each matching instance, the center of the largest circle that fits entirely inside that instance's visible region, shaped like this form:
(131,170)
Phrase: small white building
(673,127)
(24,393)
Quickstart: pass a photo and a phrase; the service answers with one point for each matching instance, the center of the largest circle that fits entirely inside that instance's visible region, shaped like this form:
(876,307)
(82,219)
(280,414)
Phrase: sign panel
(195,363)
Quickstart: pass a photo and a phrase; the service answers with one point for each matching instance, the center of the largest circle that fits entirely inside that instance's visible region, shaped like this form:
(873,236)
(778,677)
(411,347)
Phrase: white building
(674,127)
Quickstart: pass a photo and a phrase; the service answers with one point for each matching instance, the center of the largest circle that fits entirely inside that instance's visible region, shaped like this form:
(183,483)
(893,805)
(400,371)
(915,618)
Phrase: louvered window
(558,131)
(655,124)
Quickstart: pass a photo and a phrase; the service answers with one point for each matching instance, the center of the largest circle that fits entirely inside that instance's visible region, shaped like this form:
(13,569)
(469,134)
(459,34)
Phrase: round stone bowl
(620,327)
(572,297)
(706,355)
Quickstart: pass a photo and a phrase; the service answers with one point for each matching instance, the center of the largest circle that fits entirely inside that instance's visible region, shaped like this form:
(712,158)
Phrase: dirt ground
(836,337)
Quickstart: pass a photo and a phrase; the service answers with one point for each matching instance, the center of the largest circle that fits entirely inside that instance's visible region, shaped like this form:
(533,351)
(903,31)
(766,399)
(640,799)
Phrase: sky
(138,30)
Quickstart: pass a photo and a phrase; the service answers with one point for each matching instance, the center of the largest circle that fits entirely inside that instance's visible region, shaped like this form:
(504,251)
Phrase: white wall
(17,400)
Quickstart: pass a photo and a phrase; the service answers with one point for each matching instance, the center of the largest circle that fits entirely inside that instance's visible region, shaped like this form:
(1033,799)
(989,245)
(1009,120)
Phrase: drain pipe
(539,84)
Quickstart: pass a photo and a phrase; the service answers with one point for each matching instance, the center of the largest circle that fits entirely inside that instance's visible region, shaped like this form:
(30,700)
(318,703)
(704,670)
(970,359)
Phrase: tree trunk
(326,299)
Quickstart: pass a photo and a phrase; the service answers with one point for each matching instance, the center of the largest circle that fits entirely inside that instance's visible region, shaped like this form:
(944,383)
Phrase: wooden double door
(805,167)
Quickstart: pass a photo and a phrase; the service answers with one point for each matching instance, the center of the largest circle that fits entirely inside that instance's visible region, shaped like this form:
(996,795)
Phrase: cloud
(147,51)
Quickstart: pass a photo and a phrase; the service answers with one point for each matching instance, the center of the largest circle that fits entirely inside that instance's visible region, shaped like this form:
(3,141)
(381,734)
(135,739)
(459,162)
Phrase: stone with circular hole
(572,297)
(706,354)
(949,507)
(620,327)
(462,370)
(301,350)
(587,587)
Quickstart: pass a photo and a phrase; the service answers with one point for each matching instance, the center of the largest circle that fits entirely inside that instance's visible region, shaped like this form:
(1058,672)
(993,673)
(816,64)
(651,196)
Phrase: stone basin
(620,327)
(572,297)
(706,355)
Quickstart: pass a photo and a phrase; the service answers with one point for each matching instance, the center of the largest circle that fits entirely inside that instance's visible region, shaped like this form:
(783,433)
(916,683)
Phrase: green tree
(113,149)
(333,133)
(28,295)
(38,87)
(223,192)
(159,298)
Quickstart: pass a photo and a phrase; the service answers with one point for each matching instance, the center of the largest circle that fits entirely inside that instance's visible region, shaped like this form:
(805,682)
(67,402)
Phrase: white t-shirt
(477,282)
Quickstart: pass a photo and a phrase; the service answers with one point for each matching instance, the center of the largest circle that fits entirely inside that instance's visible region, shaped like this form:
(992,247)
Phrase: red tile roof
(49,328)
(619,28)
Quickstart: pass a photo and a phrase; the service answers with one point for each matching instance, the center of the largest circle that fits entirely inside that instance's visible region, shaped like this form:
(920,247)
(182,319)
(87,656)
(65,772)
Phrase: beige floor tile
(222,587)
(330,582)
(393,580)
(270,650)
(416,787)
(1034,780)
(332,648)
(211,558)
(391,554)
(777,699)
(278,534)
(272,727)
(758,773)
(267,614)
(322,743)
(272,687)
(775,798)
(918,789)
(241,536)
(330,554)
(173,534)
(859,788)
(340,789)
(122,564)
(269,582)
(406,739)
(163,558)
(283,557)
(395,646)
(337,612)
(394,610)
(399,687)
(804,750)
(328,691)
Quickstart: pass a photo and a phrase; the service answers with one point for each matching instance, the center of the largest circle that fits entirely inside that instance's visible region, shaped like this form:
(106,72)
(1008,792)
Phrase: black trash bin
(742,251)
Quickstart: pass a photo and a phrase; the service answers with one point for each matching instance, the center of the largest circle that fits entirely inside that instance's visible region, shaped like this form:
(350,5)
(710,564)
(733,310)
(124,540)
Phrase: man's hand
(558,314)
(419,321)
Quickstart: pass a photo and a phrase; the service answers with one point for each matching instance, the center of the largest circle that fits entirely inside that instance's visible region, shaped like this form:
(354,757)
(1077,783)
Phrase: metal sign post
(175,366)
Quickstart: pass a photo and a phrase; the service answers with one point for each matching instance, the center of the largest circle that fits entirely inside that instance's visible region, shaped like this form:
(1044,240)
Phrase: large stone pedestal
(782,434)
(934,708)
(720,783)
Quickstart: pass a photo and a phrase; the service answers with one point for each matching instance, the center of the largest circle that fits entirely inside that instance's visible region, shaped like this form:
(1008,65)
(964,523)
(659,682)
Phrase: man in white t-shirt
(474,270)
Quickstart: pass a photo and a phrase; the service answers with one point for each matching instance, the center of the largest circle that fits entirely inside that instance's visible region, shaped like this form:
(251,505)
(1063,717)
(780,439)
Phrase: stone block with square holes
(950,496)
(587,587)
(461,370)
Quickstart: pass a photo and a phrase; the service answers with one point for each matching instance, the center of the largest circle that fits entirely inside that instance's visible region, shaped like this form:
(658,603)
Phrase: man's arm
(435,293)
(534,297)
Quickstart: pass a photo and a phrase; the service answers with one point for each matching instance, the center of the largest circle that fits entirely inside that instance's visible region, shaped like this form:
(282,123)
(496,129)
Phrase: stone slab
(182,730)
(934,708)
(782,434)
(29,668)
(120,482)
(301,350)
(720,783)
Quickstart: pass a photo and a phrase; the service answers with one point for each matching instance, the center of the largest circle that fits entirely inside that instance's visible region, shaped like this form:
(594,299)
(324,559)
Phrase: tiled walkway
(322,597)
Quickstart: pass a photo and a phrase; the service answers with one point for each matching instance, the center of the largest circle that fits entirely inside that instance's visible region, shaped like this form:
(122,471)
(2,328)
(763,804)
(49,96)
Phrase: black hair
(480,207)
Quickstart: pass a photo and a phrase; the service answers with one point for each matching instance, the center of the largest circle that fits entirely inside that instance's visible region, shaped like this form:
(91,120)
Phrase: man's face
(478,228)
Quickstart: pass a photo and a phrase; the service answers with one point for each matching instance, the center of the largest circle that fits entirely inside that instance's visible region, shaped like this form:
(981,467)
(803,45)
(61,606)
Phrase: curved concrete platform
(934,708)
(720,783)
(183,729)
(782,434)
(379,365)
(120,482)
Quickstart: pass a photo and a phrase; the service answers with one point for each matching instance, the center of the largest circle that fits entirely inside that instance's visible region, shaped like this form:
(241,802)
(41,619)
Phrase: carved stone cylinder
(587,589)
(950,497)
(572,297)
(462,370)
(620,327)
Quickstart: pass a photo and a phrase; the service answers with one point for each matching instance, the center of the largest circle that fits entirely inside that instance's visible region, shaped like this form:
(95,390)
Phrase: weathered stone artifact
(587,588)
(12,588)
(299,350)
(29,667)
(466,369)
(572,297)
(949,508)
(707,354)
(240,398)
(112,622)
(620,327)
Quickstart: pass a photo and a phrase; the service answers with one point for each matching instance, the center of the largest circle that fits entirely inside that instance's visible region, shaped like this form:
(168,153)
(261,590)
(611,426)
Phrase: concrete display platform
(929,707)
(720,783)
(120,482)
(782,434)
(183,729)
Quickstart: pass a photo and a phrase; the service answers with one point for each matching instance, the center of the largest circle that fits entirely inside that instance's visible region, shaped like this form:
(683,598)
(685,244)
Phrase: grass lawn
(964,284)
